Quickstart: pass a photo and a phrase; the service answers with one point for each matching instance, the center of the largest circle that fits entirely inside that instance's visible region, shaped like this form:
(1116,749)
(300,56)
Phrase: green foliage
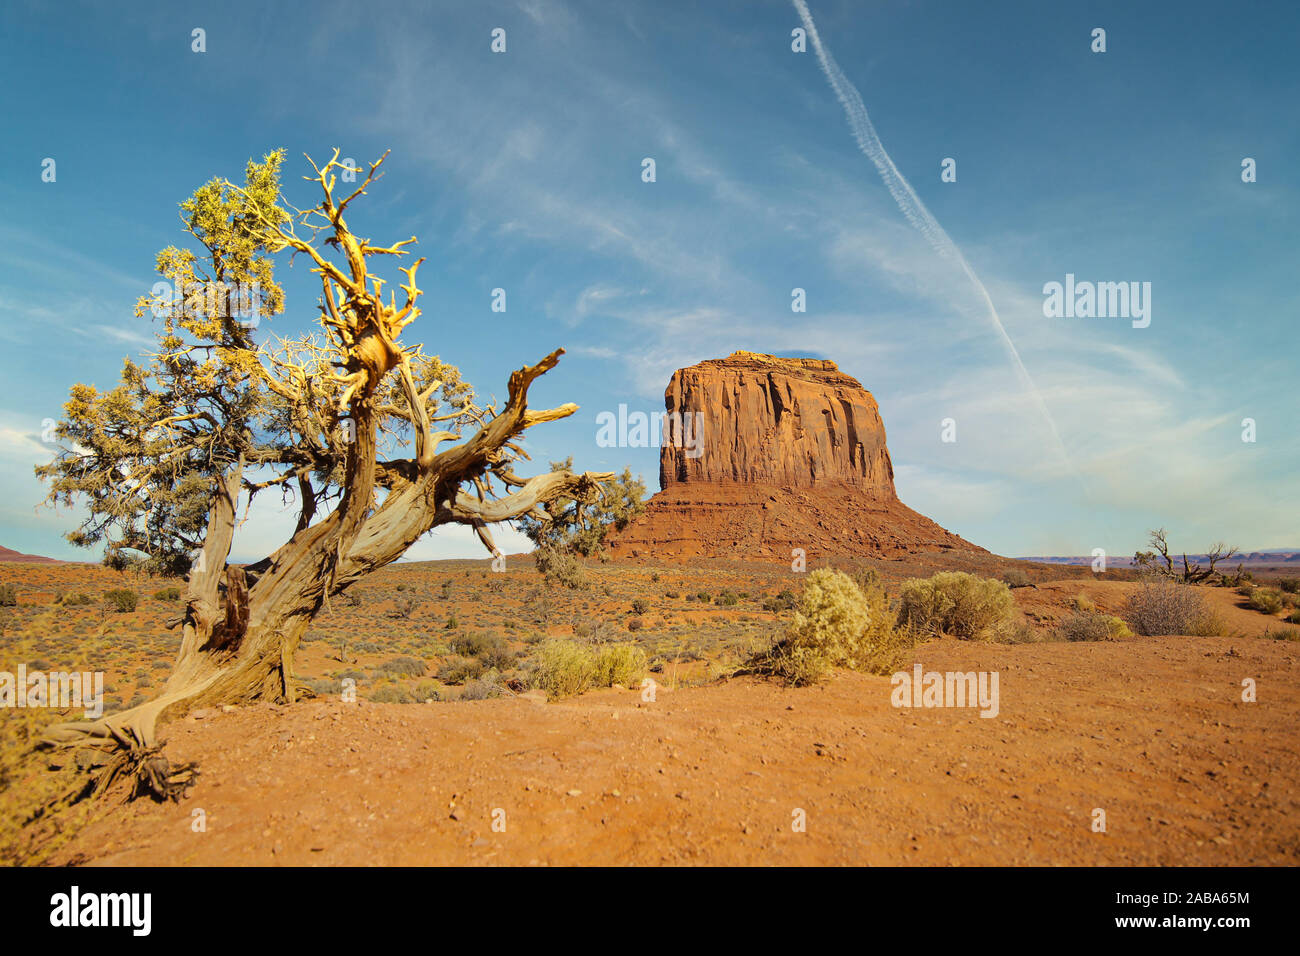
(8,596)
(564,669)
(1016,578)
(623,664)
(837,625)
(391,694)
(167,594)
(146,454)
(784,601)
(122,600)
(954,602)
(579,527)
(559,566)
(726,599)
(490,649)
(1265,600)
(401,667)
(457,670)
(1093,626)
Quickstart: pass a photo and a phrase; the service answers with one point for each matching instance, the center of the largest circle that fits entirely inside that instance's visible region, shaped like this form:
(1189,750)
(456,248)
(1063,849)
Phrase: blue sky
(522,170)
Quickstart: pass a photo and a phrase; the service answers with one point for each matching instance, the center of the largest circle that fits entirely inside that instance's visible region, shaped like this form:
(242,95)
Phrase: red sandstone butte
(791,454)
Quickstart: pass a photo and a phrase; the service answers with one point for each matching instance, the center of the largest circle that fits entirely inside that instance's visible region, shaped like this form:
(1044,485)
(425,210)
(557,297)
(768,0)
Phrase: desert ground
(716,769)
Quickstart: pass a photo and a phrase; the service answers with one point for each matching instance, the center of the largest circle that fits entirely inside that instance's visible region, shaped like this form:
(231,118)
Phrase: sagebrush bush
(167,594)
(564,669)
(122,600)
(457,670)
(401,667)
(485,688)
(1162,606)
(1093,626)
(8,596)
(957,603)
(640,606)
(836,625)
(1265,600)
(619,664)
(559,567)
(391,694)
(489,648)
(1015,578)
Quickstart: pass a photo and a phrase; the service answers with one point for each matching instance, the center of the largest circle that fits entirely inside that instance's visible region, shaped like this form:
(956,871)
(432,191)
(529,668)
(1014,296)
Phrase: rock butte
(794,456)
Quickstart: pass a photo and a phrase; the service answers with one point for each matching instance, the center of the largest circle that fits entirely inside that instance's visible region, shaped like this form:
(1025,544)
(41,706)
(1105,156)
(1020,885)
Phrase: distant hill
(8,554)
(1271,558)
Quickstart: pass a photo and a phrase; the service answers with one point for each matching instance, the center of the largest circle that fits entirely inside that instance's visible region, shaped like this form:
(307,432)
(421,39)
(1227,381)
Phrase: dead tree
(1159,561)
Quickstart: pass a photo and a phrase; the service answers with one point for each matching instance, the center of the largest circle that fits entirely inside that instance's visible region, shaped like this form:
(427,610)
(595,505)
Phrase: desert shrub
(1015,578)
(122,600)
(957,603)
(690,597)
(672,594)
(564,668)
(1169,607)
(836,625)
(784,601)
(401,667)
(1289,585)
(323,686)
(478,645)
(702,596)
(655,577)
(640,606)
(484,688)
(8,596)
(1246,590)
(452,623)
(1265,600)
(426,690)
(1023,633)
(167,594)
(1093,626)
(1293,617)
(559,567)
(391,694)
(73,599)
(619,664)
(635,624)
(457,670)
(726,599)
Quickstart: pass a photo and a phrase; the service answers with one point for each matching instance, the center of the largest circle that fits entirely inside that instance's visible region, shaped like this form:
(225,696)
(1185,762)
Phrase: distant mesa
(8,554)
(790,454)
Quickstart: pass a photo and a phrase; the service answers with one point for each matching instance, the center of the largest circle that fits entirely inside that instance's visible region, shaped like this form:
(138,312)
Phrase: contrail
(908,201)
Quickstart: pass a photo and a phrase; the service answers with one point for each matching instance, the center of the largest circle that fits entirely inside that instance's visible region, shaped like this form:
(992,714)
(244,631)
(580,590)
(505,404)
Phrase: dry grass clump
(1093,626)
(1265,600)
(1161,606)
(566,668)
(837,624)
(957,603)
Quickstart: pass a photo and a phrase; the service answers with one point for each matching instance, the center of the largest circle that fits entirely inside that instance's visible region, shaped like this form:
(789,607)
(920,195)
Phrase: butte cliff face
(776,454)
